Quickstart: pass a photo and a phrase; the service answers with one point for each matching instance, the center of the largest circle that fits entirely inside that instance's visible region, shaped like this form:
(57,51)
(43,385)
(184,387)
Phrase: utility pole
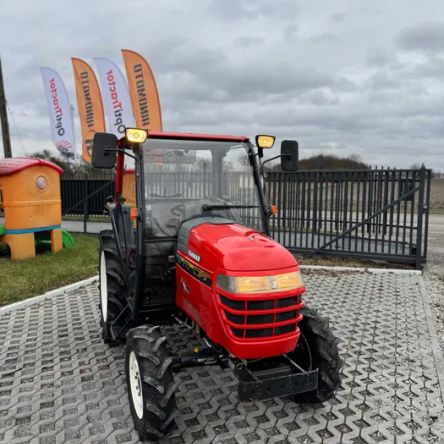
(4,117)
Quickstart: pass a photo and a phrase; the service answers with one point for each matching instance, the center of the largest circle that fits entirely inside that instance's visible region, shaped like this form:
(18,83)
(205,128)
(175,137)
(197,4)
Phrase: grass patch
(91,218)
(21,279)
(345,262)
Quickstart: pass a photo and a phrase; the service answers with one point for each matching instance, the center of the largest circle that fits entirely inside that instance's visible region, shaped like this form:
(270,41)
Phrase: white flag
(60,113)
(115,95)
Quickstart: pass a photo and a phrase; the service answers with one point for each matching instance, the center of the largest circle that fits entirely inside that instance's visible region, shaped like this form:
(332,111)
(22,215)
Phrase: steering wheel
(156,223)
(178,210)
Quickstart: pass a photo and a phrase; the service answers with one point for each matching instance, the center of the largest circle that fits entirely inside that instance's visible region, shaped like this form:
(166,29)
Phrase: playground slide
(68,240)
(44,239)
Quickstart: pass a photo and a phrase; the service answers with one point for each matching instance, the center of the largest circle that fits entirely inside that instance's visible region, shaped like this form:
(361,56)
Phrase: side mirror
(104,150)
(289,155)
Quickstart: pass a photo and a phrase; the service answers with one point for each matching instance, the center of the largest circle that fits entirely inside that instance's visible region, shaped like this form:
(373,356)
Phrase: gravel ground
(434,286)
(60,384)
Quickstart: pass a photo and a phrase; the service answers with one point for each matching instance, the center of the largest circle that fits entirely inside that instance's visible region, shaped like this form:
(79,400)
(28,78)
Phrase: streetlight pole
(4,118)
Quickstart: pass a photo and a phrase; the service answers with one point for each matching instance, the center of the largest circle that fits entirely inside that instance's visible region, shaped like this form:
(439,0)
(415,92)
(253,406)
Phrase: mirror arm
(277,157)
(271,158)
(121,151)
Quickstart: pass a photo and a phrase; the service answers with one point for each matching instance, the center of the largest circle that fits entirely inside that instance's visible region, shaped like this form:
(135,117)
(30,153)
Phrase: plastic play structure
(129,187)
(30,200)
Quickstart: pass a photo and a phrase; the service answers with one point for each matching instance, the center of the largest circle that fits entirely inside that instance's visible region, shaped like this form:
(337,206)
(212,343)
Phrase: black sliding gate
(367,214)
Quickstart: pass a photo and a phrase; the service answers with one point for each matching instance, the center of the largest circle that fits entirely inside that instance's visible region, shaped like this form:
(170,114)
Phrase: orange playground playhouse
(129,187)
(31,203)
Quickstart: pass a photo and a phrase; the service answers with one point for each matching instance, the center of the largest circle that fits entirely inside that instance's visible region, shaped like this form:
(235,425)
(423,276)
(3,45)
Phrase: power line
(15,127)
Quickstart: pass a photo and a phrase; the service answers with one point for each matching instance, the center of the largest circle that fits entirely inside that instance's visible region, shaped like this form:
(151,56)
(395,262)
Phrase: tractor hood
(215,242)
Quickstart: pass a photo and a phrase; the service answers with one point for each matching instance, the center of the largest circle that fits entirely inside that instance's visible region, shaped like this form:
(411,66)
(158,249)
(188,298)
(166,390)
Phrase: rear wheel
(112,287)
(150,383)
(318,348)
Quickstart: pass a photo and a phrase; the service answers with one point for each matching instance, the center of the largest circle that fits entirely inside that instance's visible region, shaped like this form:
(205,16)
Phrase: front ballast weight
(264,381)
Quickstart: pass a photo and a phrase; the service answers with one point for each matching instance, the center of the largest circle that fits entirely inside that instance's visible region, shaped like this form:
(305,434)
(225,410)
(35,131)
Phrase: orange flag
(89,102)
(143,91)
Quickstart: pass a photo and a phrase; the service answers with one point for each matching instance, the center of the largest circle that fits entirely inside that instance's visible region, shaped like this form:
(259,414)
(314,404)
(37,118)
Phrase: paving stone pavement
(60,384)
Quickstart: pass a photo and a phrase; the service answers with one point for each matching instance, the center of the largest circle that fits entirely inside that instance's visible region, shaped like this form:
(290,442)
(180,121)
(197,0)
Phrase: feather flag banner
(89,102)
(116,98)
(60,114)
(143,91)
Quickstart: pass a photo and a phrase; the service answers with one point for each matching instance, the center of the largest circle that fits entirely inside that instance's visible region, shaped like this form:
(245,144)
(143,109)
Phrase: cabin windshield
(185,179)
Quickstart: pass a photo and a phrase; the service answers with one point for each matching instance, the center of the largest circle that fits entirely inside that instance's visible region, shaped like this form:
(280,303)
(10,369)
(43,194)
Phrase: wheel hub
(103,287)
(136,385)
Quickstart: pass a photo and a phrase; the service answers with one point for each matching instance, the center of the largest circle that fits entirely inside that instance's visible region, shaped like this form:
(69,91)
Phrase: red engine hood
(236,248)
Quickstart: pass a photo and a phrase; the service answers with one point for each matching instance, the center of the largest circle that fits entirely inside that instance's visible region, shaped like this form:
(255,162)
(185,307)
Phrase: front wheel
(318,348)
(150,383)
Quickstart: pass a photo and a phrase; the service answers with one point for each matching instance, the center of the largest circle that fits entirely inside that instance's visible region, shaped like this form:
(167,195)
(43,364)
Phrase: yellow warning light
(135,135)
(265,142)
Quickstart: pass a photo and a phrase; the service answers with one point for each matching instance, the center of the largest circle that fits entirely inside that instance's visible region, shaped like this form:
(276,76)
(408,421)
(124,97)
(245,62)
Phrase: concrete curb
(434,338)
(361,269)
(51,293)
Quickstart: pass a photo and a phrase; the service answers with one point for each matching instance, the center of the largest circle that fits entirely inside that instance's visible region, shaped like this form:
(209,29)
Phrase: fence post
(427,185)
(420,215)
(85,204)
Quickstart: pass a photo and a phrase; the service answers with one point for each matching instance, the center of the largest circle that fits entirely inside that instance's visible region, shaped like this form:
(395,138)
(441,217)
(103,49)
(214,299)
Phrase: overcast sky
(342,77)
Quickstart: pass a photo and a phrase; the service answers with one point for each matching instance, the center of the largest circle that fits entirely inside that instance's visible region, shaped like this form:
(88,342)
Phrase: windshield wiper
(208,207)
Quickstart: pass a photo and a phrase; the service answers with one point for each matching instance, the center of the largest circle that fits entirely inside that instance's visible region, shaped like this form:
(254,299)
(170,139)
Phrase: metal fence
(367,214)
(83,200)
(83,195)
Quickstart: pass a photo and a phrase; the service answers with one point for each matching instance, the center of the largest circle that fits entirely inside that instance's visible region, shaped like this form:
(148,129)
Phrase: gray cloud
(290,32)
(358,81)
(427,37)
(379,57)
(338,17)
(432,68)
(250,9)
(246,41)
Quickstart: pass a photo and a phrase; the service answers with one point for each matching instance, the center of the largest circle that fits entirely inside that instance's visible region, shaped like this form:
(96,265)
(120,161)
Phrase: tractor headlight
(260,284)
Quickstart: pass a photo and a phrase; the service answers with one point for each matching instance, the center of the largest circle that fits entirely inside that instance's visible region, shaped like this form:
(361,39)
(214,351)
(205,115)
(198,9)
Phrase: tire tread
(117,290)
(158,386)
(324,350)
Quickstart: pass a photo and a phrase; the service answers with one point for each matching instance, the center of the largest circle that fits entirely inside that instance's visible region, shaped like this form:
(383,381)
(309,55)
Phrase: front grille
(261,318)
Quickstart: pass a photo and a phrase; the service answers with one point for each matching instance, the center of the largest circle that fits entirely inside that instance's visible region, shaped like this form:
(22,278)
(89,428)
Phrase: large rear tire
(112,286)
(150,383)
(318,348)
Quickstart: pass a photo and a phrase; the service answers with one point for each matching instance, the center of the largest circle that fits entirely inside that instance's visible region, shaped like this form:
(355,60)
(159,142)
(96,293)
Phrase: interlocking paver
(60,384)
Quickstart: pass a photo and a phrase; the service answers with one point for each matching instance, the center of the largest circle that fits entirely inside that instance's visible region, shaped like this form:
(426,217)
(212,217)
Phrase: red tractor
(195,250)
